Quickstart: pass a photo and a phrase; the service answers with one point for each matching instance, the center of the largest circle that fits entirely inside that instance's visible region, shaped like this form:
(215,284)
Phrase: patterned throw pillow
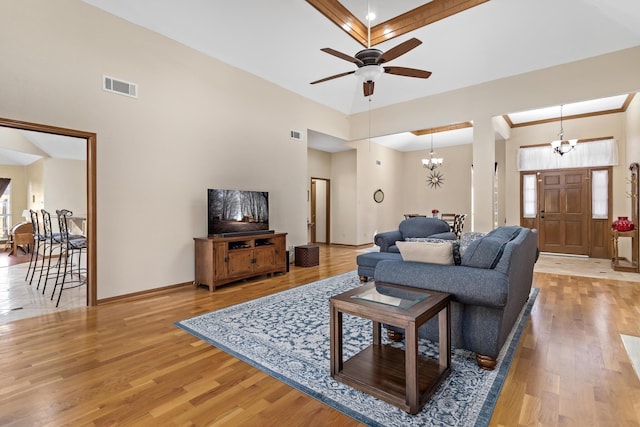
(455,246)
(467,238)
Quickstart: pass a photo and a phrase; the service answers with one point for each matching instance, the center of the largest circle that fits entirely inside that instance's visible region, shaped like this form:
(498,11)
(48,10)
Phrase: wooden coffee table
(402,378)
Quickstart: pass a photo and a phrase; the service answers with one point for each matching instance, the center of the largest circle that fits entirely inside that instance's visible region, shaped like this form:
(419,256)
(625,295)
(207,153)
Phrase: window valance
(586,154)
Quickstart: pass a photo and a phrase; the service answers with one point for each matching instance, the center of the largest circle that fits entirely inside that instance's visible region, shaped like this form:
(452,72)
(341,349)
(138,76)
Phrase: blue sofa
(489,288)
(416,227)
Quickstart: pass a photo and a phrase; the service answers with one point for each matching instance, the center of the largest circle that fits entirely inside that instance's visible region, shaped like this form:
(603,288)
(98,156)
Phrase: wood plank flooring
(125,363)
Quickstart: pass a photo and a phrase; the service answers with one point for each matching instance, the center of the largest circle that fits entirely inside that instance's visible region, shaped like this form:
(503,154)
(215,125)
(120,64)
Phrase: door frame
(592,223)
(90,137)
(328,209)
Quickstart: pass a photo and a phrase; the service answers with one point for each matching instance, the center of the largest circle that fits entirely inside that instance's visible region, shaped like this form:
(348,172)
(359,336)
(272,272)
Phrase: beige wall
(35,185)
(453,196)
(52,183)
(197,124)
(65,185)
(343,197)
(378,167)
(319,164)
(632,121)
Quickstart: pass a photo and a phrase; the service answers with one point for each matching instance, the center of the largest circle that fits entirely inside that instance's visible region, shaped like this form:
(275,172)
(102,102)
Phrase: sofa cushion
(455,246)
(371,259)
(431,252)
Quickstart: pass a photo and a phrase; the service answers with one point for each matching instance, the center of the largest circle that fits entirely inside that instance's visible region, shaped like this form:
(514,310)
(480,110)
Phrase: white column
(484,158)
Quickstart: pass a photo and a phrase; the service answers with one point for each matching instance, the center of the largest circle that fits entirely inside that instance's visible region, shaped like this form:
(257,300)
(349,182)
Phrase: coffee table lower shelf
(379,370)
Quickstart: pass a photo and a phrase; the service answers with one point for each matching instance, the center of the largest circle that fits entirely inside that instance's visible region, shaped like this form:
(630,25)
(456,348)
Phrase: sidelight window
(529,196)
(600,194)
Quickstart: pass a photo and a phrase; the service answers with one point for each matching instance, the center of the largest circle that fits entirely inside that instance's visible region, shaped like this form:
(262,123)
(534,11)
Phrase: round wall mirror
(378,196)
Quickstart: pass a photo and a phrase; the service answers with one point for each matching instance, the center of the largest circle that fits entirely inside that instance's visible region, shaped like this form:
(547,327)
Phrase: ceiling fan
(369,64)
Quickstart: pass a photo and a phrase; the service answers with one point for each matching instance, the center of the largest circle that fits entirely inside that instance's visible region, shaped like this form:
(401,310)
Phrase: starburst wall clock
(435,179)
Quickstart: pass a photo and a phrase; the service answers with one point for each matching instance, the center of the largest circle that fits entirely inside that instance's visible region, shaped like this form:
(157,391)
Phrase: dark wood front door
(564,211)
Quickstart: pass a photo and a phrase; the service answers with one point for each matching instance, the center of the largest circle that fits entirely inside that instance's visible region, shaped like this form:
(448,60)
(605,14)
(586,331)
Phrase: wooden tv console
(221,260)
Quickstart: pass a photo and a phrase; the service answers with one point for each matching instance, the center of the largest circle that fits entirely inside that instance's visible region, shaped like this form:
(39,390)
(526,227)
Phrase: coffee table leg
(376,333)
(444,337)
(335,341)
(411,367)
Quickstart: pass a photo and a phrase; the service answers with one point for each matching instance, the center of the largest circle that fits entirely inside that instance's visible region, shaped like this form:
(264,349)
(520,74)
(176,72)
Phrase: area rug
(287,336)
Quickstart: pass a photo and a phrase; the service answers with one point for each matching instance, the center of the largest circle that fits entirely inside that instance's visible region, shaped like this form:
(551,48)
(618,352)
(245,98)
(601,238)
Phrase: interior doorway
(320,223)
(90,139)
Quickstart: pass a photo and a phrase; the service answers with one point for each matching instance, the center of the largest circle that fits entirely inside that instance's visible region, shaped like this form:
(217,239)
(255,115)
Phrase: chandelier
(432,162)
(562,146)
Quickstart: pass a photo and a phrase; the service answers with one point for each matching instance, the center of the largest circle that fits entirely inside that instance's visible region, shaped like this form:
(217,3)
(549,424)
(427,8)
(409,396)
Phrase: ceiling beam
(345,20)
(438,129)
(394,27)
(419,17)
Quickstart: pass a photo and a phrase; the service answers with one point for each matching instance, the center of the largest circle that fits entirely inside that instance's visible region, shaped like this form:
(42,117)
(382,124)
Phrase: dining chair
(38,244)
(71,245)
(52,247)
(458,224)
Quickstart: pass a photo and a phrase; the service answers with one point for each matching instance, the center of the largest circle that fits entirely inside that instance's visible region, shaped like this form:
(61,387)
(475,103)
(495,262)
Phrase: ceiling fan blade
(401,49)
(368,88)
(408,72)
(343,56)
(332,77)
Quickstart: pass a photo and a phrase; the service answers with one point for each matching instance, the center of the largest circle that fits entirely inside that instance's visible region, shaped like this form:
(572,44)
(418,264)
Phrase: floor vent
(111,84)
(295,134)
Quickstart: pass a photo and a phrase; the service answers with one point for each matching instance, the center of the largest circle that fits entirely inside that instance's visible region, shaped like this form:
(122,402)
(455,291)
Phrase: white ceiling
(30,146)
(280,41)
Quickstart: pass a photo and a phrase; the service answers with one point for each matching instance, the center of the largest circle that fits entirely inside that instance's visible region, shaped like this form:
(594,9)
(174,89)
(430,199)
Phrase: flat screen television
(237,212)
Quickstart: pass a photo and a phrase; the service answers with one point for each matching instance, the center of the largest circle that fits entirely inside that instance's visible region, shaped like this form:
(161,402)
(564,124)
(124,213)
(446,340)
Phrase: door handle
(542,213)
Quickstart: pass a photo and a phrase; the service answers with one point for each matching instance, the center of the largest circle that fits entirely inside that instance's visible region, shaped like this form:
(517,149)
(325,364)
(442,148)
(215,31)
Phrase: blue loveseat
(411,228)
(489,288)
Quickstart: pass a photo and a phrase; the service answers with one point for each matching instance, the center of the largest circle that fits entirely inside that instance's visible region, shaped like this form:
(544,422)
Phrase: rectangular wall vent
(295,134)
(120,86)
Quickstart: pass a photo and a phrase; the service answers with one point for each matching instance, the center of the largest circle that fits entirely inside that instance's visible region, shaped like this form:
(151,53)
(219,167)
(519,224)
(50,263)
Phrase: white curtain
(586,154)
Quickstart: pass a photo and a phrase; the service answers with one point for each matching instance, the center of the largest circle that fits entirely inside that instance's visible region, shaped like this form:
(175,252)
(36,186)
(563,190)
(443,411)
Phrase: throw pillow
(431,252)
(484,252)
(455,246)
(506,232)
(467,238)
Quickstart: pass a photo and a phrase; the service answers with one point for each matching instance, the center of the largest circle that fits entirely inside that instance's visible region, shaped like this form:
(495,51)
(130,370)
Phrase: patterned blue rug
(287,336)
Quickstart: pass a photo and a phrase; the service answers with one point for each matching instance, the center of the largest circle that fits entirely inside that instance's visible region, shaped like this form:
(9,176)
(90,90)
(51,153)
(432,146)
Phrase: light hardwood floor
(125,363)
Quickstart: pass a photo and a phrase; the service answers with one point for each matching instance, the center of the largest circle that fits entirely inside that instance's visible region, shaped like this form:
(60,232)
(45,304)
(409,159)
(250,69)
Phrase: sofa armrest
(387,239)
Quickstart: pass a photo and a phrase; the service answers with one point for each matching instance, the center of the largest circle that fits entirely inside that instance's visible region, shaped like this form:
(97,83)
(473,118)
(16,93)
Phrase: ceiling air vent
(295,134)
(111,84)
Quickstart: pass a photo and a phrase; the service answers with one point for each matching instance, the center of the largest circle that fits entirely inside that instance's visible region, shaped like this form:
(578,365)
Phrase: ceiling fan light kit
(369,73)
